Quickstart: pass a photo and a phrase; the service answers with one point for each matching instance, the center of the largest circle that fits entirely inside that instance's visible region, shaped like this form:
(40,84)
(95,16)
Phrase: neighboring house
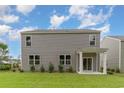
(4,62)
(79,49)
(115,53)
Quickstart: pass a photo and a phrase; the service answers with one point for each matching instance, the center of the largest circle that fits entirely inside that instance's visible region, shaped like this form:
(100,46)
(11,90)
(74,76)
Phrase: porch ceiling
(93,50)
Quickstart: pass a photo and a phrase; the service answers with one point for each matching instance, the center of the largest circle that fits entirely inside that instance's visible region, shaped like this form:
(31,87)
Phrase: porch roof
(93,50)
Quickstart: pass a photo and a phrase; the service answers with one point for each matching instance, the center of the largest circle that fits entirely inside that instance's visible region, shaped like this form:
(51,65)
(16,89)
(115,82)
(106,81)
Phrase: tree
(4,52)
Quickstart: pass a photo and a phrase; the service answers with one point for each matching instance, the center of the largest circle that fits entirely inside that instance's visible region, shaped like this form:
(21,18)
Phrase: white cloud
(56,20)
(85,15)
(6,16)
(104,29)
(86,22)
(91,19)
(25,9)
(9,18)
(4,29)
(79,10)
(4,9)
(14,34)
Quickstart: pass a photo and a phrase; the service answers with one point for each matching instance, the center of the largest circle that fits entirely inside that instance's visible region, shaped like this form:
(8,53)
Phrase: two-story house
(79,49)
(115,53)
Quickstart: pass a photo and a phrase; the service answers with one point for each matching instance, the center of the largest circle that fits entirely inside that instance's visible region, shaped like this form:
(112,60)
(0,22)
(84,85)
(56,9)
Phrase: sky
(15,19)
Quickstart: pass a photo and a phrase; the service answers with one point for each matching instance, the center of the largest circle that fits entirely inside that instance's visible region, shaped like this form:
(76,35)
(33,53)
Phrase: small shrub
(108,69)
(110,72)
(101,69)
(117,70)
(70,69)
(51,68)
(32,68)
(113,70)
(14,70)
(17,65)
(21,70)
(60,68)
(14,65)
(42,69)
(5,66)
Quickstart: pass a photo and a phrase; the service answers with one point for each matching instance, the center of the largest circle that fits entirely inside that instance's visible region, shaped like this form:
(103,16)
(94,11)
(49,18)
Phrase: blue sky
(15,19)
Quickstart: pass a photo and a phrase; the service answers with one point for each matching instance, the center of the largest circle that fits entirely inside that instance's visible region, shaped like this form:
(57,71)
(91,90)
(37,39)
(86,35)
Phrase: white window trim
(34,59)
(65,59)
(29,60)
(70,59)
(92,63)
(26,41)
(62,59)
(89,39)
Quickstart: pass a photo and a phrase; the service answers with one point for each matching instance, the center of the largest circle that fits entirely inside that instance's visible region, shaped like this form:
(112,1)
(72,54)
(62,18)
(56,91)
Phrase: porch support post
(96,62)
(81,62)
(104,64)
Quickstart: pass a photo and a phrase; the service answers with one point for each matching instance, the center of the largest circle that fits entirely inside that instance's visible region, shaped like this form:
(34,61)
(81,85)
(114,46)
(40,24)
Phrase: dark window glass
(37,59)
(93,37)
(31,59)
(89,64)
(28,41)
(68,59)
(28,38)
(92,40)
(61,57)
(84,64)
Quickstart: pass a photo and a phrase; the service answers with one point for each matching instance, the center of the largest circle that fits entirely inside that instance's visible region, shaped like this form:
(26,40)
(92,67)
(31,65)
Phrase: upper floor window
(28,40)
(92,40)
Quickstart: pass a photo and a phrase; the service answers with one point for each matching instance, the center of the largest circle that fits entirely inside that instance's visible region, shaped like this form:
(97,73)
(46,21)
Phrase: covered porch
(88,60)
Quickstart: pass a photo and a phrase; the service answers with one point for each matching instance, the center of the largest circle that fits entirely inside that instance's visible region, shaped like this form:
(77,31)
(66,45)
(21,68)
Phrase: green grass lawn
(59,80)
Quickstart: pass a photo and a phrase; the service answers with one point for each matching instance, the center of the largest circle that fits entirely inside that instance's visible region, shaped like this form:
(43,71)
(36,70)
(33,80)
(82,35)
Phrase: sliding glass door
(87,63)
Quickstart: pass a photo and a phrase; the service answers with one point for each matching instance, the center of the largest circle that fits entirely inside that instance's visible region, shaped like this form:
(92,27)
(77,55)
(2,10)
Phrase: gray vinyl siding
(112,53)
(50,46)
(122,57)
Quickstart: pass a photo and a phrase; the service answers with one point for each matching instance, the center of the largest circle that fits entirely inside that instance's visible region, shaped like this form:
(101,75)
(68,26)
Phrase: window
(61,57)
(34,59)
(65,59)
(37,59)
(92,39)
(28,41)
(31,59)
(68,59)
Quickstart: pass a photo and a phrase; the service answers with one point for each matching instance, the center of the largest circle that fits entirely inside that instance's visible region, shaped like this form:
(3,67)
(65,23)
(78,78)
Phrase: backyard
(59,80)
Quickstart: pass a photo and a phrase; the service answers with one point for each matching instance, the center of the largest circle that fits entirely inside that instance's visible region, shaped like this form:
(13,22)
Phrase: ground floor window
(34,59)
(31,59)
(65,59)
(62,58)
(68,59)
(37,59)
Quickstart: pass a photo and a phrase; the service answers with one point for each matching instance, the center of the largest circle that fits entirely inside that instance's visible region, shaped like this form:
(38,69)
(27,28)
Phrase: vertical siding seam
(119,54)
